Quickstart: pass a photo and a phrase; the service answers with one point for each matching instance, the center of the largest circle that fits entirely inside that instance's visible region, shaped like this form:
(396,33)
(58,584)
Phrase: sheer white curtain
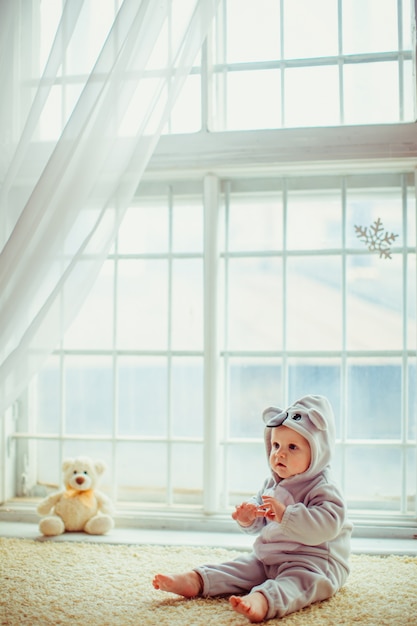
(62,200)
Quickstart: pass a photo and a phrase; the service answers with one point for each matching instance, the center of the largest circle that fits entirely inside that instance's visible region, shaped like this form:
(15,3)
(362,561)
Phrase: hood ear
(273,416)
(317,419)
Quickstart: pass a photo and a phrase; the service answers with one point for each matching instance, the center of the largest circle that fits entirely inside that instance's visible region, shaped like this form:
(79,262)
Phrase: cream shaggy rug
(86,584)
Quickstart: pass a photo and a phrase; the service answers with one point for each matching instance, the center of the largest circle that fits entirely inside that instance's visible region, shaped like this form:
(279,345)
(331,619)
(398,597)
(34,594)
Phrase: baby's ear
(317,419)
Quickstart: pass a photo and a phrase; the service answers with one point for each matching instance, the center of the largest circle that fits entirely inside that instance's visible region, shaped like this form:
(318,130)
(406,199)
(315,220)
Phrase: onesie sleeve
(319,518)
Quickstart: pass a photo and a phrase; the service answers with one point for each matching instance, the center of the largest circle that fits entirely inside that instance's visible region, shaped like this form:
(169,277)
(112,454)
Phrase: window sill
(232,540)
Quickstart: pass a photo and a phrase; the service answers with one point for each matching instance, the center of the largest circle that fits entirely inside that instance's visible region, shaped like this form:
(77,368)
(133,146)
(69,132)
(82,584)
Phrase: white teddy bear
(80,506)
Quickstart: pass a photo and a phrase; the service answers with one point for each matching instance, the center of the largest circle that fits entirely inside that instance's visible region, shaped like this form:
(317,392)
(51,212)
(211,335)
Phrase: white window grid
(209,88)
(222,69)
(216,443)
(405,443)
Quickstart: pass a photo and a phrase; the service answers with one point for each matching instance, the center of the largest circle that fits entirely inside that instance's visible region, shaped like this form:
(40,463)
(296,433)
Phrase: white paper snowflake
(376,238)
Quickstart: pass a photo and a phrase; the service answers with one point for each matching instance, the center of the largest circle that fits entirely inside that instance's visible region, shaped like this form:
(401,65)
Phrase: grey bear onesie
(304,558)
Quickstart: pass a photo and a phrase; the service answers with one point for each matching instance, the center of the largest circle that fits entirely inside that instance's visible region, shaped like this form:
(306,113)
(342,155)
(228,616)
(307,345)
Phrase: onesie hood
(312,417)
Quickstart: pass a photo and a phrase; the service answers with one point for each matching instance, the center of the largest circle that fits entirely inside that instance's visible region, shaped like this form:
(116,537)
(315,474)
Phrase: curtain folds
(74,151)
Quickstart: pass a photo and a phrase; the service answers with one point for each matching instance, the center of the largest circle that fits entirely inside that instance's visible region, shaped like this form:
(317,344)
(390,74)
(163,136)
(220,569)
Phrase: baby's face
(290,452)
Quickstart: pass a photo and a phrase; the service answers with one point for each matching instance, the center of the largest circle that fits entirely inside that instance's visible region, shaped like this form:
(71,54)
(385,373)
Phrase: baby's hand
(246,513)
(274,509)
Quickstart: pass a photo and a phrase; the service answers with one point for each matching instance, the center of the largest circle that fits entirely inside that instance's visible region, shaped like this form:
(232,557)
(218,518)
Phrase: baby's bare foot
(187,585)
(254,606)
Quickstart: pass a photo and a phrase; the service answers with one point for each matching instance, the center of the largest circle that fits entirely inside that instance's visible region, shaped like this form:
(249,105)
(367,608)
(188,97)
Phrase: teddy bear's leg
(99,525)
(51,526)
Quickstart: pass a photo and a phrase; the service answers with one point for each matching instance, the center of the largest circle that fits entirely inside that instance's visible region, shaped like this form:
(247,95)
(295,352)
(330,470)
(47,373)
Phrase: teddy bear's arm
(45,506)
(104,503)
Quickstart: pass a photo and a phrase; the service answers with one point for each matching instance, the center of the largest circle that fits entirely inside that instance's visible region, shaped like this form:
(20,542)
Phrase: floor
(235,541)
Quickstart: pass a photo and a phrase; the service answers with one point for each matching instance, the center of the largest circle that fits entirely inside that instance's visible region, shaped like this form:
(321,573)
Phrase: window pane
(253,99)
(142,304)
(255,311)
(382,468)
(314,220)
(187,473)
(186,113)
(406,24)
(411,218)
(371,93)
(48,396)
(187,227)
(365,206)
(142,471)
(141,410)
(369,26)
(144,229)
(89,35)
(187,409)
(254,384)
(50,15)
(48,467)
(304,101)
(246,43)
(50,120)
(88,395)
(310,28)
(93,326)
(314,303)
(246,469)
(187,304)
(408,92)
(374,414)
(255,223)
(374,303)
(142,114)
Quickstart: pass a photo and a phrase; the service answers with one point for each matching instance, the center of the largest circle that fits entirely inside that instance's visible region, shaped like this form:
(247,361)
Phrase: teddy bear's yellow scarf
(86,497)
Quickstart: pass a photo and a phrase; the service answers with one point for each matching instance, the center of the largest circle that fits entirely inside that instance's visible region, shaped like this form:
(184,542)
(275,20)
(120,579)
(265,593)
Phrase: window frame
(211,156)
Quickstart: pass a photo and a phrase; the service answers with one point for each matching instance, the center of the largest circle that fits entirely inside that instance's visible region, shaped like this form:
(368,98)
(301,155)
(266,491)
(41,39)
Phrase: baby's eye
(275,446)
(292,446)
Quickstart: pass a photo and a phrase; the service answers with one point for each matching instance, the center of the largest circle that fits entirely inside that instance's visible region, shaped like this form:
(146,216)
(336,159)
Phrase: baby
(301,554)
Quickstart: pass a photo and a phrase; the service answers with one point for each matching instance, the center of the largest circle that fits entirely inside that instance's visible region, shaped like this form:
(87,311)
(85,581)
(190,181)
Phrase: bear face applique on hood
(312,417)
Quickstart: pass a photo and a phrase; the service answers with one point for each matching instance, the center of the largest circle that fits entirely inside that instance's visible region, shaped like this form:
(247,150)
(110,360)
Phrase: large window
(238,282)
(304,306)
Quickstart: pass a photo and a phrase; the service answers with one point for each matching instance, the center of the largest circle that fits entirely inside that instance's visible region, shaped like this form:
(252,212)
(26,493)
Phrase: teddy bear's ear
(66,464)
(100,467)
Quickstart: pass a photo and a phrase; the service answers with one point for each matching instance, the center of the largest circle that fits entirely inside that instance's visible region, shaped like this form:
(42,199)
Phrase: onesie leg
(295,588)
(237,576)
